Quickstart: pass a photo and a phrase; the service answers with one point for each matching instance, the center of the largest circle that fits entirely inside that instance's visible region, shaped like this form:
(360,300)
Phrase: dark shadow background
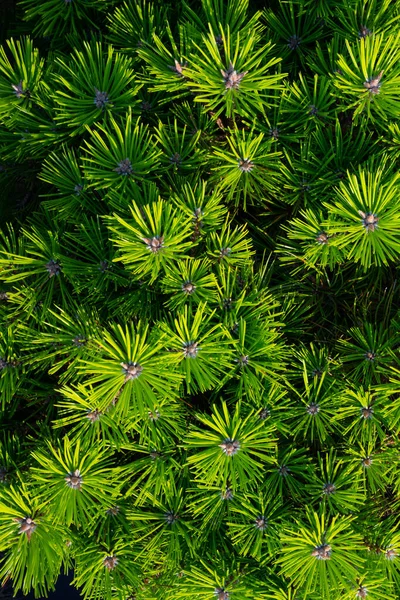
(63,591)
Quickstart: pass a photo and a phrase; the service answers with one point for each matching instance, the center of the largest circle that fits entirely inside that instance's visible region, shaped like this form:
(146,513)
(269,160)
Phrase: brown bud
(367,412)
(27,526)
(94,415)
(246,165)
(131,370)
(329,488)
(313,409)
(260,523)
(190,349)
(74,480)
(227,494)
(154,244)
(232,78)
(362,592)
(110,562)
(188,287)
(322,552)
(373,84)
(221,594)
(369,220)
(178,67)
(322,238)
(230,447)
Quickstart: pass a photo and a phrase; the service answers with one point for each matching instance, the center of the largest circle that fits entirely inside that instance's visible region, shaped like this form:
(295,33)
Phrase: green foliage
(21,78)
(365,214)
(156,237)
(101,569)
(196,343)
(130,368)
(55,20)
(321,553)
(247,169)
(108,86)
(199,316)
(236,84)
(369,76)
(128,156)
(76,481)
(32,541)
(233,449)
(255,527)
